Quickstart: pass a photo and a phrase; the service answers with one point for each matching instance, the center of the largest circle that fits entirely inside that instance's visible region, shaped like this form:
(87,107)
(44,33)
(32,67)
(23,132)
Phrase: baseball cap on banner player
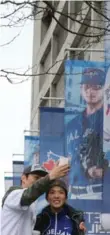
(93,76)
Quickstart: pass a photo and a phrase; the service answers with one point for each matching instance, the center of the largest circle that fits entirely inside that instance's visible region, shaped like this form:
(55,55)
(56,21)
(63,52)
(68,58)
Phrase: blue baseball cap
(93,76)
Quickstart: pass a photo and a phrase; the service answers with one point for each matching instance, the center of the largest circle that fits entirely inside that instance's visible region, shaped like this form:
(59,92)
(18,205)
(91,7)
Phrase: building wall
(49,44)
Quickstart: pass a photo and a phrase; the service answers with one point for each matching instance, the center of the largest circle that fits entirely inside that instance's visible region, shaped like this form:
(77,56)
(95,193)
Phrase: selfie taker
(19,207)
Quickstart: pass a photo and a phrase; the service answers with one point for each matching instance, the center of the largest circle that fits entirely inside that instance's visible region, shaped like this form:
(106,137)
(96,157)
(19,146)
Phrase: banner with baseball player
(31,150)
(105,217)
(84,118)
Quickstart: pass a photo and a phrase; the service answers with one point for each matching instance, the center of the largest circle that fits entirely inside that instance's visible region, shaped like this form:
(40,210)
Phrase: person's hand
(59,171)
(95,172)
(82,226)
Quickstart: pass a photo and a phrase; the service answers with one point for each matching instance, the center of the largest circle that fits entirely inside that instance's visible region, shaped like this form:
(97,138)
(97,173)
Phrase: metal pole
(18,154)
(15,156)
(92,24)
(7,172)
(51,98)
(31,131)
(84,49)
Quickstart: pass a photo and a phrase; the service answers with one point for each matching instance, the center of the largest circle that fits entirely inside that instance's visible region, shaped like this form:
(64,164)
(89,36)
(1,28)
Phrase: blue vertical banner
(18,167)
(106,143)
(51,141)
(84,115)
(31,155)
(105,220)
(51,136)
(31,150)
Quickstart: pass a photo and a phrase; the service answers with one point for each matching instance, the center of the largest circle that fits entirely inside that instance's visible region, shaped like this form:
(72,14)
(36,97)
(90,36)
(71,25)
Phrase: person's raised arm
(40,186)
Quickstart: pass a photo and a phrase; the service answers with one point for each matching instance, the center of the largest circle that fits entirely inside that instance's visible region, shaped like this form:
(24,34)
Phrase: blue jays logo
(52,158)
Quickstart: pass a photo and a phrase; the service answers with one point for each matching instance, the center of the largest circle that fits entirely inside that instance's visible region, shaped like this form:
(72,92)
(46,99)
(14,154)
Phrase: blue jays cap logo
(93,76)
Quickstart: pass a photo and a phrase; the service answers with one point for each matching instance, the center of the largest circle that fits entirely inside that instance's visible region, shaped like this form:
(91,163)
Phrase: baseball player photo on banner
(105,218)
(84,98)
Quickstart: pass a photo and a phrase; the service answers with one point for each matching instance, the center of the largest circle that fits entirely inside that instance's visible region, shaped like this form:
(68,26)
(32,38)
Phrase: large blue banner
(31,150)
(84,115)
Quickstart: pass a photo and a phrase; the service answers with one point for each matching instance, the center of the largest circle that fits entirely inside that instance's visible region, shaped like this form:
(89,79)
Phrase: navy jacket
(68,218)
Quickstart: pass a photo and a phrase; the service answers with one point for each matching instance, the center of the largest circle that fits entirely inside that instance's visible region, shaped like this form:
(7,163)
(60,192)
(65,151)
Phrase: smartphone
(64,161)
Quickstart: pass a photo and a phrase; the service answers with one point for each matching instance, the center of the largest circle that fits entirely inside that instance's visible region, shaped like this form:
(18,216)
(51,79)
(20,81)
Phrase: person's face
(56,197)
(92,94)
(28,180)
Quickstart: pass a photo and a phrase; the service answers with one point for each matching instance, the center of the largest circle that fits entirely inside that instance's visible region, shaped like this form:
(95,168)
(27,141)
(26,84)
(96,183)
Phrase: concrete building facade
(50,43)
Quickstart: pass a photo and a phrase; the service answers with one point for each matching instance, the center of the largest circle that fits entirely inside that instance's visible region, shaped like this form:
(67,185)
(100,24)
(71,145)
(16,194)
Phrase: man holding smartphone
(19,207)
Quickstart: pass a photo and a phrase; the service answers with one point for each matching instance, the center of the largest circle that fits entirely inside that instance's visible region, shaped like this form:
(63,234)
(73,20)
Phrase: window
(70,82)
(81,55)
(69,95)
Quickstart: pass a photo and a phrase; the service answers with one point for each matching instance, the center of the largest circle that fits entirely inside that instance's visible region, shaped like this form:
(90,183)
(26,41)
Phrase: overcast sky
(14,99)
